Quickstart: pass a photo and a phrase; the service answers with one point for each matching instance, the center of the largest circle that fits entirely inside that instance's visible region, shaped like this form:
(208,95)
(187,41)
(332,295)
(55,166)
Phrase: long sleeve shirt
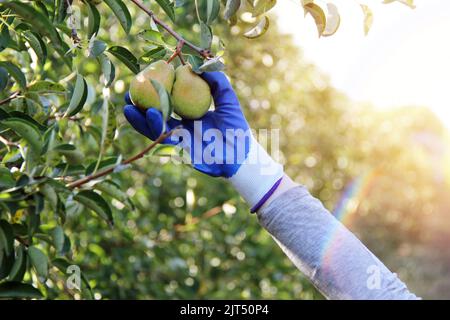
(335,261)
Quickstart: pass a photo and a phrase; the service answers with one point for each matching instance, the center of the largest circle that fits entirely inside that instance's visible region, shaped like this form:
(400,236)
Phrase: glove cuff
(257,176)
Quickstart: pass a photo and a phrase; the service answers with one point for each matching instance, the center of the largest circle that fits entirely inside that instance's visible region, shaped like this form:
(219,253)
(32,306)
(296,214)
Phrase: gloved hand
(220,144)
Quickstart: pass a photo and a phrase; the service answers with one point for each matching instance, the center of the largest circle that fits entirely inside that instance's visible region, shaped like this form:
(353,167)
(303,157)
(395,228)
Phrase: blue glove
(220,144)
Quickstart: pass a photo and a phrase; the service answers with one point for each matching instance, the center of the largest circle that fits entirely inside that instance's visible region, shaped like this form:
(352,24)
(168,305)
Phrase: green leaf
(42,8)
(18,290)
(41,24)
(58,239)
(121,12)
(12,156)
(212,10)
(164,100)
(45,86)
(50,195)
(96,48)
(212,65)
(23,181)
(6,237)
(26,117)
(67,246)
(50,137)
(26,130)
(79,97)
(231,8)
(39,261)
(65,147)
(73,157)
(93,20)
(37,45)
(6,178)
(164,151)
(168,8)
(108,69)
(111,121)
(6,263)
(126,57)
(152,36)
(3,78)
(96,203)
(113,190)
(5,36)
(20,265)
(259,29)
(206,35)
(152,55)
(61,10)
(15,72)
(3,113)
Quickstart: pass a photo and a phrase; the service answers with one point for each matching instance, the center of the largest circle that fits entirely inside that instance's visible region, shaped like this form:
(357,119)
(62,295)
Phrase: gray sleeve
(335,261)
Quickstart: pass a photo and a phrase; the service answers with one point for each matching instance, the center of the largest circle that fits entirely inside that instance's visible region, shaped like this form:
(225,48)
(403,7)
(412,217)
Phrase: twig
(12,96)
(22,241)
(178,53)
(73,32)
(208,214)
(6,142)
(102,173)
(60,116)
(203,52)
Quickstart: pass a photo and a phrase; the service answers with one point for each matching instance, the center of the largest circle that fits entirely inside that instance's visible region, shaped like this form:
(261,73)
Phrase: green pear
(191,96)
(142,92)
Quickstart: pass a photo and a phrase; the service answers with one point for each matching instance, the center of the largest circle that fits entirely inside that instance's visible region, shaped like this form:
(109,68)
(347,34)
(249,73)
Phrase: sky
(405,59)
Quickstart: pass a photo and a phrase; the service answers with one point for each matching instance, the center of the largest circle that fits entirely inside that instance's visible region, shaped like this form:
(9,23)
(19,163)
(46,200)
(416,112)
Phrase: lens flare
(347,205)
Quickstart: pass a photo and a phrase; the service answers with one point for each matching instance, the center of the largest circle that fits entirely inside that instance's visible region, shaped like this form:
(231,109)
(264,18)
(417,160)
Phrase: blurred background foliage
(187,235)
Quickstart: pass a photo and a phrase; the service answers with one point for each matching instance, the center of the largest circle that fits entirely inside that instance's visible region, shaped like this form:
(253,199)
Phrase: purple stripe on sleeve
(266,196)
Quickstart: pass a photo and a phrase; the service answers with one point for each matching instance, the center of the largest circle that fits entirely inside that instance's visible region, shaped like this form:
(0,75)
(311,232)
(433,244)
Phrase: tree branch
(22,241)
(178,53)
(205,53)
(12,96)
(208,214)
(6,142)
(102,173)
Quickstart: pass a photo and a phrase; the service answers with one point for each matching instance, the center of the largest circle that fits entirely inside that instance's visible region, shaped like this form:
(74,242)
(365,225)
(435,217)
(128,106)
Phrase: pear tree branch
(205,53)
(177,53)
(82,181)
(11,97)
(208,214)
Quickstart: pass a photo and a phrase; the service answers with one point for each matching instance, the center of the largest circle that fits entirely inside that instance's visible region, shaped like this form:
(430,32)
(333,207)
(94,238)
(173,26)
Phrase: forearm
(336,262)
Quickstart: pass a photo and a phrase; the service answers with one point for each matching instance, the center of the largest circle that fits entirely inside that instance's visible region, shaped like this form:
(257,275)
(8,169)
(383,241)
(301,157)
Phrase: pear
(191,96)
(142,92)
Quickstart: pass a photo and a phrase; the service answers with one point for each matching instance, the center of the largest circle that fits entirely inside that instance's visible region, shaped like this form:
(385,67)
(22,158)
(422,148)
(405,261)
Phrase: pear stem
(205,53)
(178,53)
